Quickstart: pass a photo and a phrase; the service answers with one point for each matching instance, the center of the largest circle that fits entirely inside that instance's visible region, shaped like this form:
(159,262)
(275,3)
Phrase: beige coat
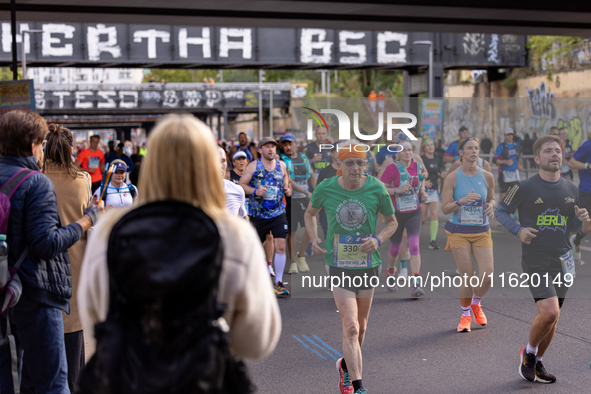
(253,315)
(73,196)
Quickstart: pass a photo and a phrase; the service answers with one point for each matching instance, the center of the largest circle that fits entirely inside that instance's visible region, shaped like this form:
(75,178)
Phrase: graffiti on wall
(541,101)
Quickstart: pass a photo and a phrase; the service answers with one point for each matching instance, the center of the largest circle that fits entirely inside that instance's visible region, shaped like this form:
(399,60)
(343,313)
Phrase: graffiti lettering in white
(192,98)
(493,49)
(233,94)
(128,104)
(96,46)
(61,95)
(170,98)
(39,99)
(245,45)
(106,95)
(7,37)
(307,46)
(151,35)
(473,43)
(185,41)
(49,41)
(383,39)
(151,95)
(345,47)
(212,97)
(80,97)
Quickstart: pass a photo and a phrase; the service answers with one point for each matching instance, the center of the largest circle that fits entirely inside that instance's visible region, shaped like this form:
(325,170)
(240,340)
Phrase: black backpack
(164,332)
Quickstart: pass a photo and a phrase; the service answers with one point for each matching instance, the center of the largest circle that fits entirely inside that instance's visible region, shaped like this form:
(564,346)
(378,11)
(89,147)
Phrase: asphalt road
(412,346)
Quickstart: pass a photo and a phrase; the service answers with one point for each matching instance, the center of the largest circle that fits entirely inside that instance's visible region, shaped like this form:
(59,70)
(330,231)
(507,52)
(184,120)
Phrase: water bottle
(258,198)
(3,261)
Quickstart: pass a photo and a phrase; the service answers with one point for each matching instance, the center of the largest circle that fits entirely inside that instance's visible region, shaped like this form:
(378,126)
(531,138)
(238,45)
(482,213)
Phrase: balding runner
(267,182)
(352,202)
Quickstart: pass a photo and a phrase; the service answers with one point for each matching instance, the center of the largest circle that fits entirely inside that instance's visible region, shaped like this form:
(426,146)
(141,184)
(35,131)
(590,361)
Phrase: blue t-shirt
(452,150)
(583,154)
(513,150)
(383,154)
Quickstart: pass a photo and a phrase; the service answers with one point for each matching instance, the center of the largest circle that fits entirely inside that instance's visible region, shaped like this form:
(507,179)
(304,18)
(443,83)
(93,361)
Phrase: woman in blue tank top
(468,197)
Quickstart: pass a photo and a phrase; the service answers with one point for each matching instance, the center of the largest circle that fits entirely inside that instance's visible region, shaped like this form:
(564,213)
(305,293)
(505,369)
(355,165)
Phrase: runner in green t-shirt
(352,203)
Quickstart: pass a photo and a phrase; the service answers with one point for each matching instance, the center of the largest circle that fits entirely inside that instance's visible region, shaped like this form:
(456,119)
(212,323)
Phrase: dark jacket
(35,223)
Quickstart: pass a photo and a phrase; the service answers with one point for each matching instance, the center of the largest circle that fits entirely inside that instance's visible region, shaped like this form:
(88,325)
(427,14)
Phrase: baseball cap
(509,130)
(238,155)
(120,145)
(288,137)
(401,137)
(265,141)
(119,166)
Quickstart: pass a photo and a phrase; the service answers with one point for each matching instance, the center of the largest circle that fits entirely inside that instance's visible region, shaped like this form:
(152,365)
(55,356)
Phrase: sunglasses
(351,163)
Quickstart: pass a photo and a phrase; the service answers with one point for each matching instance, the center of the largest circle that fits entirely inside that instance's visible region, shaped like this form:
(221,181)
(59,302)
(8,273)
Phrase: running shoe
(344,379)
(542,376)
(464,325)
(280,290)
(362,391)
(403,272)
(417,292)
(271,270)
(433,245)
(527,366)
(391,283)
(576,248)
(303,265)
(293,268)
(478,314)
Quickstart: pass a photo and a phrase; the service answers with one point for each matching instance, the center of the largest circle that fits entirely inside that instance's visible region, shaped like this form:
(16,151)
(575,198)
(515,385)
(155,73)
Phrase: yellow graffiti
(574,131)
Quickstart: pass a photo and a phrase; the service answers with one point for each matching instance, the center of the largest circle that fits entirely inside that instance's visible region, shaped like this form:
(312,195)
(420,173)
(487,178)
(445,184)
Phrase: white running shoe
(403,273)
(293,268)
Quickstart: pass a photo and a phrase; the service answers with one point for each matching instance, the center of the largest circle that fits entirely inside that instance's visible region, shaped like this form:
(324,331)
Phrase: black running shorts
(295,213)
(277,225)
(354,280)
(537,266)
(504,187)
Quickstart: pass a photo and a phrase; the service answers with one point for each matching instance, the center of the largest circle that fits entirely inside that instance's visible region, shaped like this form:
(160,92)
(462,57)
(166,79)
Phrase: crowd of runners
(348,199)
(339,186)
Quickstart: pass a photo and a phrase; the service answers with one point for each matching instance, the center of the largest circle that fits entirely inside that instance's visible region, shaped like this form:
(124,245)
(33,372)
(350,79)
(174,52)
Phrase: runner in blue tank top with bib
(468,197)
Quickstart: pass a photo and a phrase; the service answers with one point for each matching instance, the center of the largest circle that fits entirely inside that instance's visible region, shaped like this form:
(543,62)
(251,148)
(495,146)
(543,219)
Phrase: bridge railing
(281,86)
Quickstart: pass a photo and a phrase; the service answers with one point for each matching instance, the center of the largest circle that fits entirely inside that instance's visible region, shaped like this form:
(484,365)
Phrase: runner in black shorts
(549,212)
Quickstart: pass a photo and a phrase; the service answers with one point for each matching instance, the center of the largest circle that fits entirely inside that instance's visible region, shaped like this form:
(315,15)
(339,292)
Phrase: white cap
(509,130)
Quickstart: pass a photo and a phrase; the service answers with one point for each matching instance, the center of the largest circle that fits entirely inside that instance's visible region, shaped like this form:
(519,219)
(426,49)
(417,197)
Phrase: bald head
(224,161)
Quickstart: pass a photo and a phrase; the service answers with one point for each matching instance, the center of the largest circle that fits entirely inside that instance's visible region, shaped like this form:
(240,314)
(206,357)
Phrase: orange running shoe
(478,314)
(464,325)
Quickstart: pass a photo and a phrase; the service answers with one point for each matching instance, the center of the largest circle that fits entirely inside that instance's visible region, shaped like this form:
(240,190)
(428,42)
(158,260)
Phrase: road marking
(327,345)
(319,347)
(308,347)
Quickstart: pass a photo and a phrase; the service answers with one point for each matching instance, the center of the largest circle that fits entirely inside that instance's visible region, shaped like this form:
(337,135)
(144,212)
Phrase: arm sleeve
(508,206)
(582,153)
(450,150)
(317,199)
(45,236)
(256,323)
(499,152)
(391,176)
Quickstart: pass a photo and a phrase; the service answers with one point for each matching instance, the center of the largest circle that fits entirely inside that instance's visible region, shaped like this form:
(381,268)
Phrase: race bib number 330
(346,252)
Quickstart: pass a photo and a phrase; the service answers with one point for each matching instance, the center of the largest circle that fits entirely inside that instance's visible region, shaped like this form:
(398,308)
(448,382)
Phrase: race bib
(568,265)
(407,202)
(510,176)
(94,162)
(296,194)
(271,193)
(346,252)
(472,213)
(432,196)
